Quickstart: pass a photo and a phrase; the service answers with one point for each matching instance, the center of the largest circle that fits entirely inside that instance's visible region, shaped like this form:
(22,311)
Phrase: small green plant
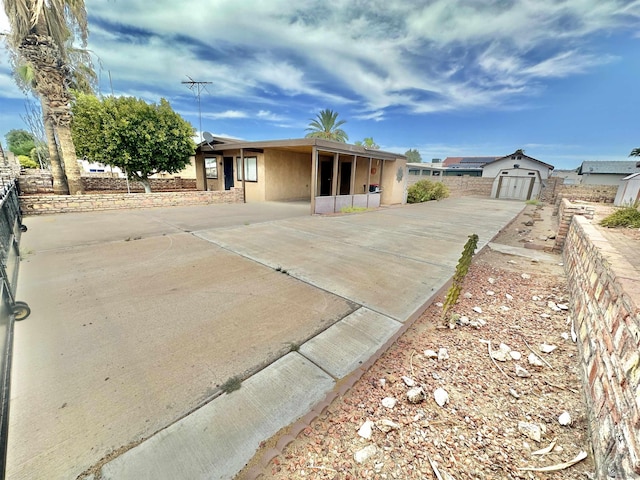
(623,217)
(461,271)
(353,209)
(231,385)
(426,190)
(293,346)
(533,201)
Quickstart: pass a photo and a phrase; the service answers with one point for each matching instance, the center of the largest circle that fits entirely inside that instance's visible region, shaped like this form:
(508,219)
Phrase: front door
(228,173)
(345,178)
(326,175)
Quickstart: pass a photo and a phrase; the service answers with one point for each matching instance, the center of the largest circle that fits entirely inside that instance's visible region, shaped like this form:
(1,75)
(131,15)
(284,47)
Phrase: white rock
(439,304)
(416,395)
(515,355)
(563,306)
(513,393)
(430,354)
(443,354)
(525,276)
(464,320)
(441,396)
(477,309)
(467,295)
(545,315)
(491,280)
(564,335)
(389,402)
(482,322)
(499,355)
(536,298)
(504,308)
(490,293)
(366,430)
(367,452)
(504,348)
(534,360)
(522,372)
(530,430)
(574,336)
(382,382)
(564,419)
(544,348)
(408,381)
(509,296)
(386,426)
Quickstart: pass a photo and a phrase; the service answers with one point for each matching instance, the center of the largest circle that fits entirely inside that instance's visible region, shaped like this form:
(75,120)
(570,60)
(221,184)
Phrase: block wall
(605,292)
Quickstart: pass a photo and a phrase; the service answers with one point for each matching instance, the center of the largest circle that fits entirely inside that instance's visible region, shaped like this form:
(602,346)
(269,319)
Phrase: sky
(557,78)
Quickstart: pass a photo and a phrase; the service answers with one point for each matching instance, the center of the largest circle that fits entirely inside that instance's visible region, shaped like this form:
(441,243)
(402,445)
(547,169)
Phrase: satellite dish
(207,137)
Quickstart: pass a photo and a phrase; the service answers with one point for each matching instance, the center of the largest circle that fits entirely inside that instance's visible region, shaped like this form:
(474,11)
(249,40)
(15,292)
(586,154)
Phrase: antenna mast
(197,87)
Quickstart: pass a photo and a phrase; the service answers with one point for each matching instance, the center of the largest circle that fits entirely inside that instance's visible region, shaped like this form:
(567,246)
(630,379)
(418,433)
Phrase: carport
(331,175)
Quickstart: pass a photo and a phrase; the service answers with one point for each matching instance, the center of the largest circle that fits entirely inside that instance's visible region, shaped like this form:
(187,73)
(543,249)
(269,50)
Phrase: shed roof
(619,167)
(518,154)
(633,175)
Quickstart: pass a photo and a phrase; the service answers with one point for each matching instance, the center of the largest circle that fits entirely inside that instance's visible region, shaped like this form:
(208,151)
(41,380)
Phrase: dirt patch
(485,430)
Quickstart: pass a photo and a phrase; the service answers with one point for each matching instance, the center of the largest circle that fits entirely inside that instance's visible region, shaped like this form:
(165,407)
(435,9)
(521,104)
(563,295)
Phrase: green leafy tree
(413,156)
(20,142)
(368,142)
(327,126)
(140,138)
(40,33)
(635,152)
(27,162)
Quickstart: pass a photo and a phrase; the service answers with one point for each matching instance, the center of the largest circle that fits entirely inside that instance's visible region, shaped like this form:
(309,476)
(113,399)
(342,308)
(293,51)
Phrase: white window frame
(250,169)
(214,167)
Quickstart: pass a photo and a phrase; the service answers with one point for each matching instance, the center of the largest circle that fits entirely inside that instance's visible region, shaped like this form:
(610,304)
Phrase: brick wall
(45,204)
(34,181)
(566,212)
(605,291)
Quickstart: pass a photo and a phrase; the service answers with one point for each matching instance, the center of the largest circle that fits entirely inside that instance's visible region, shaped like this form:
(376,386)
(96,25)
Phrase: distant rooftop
(476,161)
(613,167)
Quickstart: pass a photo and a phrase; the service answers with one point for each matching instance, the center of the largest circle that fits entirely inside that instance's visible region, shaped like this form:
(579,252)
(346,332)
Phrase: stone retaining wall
(587,193)
(46,204)
(605,292)
(566,212)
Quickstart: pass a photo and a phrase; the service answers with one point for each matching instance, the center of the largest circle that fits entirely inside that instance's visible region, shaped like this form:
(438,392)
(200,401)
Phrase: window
(211,166)
(250,168)
(414,171)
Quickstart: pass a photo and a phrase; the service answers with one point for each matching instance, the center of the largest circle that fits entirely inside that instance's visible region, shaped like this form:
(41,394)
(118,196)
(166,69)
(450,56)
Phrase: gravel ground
(495,418)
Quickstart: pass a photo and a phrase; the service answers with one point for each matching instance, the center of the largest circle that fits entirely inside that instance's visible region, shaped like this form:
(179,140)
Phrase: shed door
(515,188)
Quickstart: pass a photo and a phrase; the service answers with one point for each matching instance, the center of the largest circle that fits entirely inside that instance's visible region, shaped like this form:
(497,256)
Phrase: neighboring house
(451,167)
(99,170)
(606,172)
(569,177)
(467,162)
(628,191)
(517,176)
(331,175)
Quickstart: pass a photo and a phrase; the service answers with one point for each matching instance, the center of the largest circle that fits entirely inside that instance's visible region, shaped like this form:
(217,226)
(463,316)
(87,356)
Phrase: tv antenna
(197,87)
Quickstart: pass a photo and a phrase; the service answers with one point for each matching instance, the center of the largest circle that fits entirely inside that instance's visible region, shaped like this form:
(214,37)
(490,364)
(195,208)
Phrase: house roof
(451,161)
(633,175)
(609,167)
(297,144)
(517,155)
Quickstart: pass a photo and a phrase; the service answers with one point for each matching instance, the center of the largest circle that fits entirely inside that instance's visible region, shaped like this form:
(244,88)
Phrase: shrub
(426,190)
(623,217)
(27,162)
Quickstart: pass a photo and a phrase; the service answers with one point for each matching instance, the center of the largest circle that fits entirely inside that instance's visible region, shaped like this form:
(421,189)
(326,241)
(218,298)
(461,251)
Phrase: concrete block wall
(587,193)
(47,204)
(459,186)
(566,210)
(605,292)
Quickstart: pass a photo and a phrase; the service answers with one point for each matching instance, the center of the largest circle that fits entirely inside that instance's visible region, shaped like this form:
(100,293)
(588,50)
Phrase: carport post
(244,190)
(380,181)
(352,187)
(314,177)
(334,180)
(368,179)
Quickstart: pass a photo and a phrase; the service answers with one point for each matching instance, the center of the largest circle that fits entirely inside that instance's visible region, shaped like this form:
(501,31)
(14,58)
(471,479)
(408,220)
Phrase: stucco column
(380,185)
(314,177)
(352,187)
(334,179)
(368,177)
(244,190)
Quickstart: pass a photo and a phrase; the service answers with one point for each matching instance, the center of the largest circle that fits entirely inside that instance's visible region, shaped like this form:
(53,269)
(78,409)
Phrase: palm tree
(635,152)
(325,126)
(368,142)
(39,32)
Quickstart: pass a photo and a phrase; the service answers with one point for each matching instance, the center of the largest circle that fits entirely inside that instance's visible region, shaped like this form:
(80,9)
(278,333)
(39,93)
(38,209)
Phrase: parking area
(139,316)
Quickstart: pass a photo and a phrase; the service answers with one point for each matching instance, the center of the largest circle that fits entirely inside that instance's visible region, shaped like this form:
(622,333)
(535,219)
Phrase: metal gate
(10,230)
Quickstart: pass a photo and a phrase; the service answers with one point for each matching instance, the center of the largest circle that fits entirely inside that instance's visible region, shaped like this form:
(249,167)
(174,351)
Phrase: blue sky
(447,77)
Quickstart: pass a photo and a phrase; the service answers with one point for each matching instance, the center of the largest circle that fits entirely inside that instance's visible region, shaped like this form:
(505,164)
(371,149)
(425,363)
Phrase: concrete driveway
(139,317)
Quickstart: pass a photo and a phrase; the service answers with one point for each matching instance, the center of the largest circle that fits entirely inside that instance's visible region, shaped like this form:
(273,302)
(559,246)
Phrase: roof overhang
(304,145)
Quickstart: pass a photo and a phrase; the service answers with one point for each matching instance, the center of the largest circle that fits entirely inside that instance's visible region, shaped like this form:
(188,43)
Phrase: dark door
(326,172)
(228,173)
(345,178)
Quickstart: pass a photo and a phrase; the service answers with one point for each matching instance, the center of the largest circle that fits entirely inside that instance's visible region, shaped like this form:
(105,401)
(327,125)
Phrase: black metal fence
(10,230)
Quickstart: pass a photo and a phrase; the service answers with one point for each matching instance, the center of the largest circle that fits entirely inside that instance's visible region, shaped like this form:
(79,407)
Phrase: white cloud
(225,114)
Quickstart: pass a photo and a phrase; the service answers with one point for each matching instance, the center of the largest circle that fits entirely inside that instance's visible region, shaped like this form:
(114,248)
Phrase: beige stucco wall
(394,182)
(362,167)
(493,169)
(288,176)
